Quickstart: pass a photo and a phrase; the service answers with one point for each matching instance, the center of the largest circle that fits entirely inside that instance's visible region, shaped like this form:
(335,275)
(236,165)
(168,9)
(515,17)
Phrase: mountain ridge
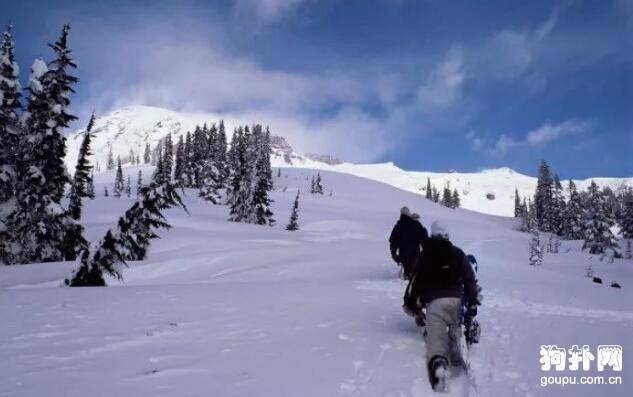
(489,191)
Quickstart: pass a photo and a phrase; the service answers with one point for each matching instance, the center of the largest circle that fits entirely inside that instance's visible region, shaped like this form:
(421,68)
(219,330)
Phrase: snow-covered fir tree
(316,185)
(139,182)
(557,209)
(293,223)
(129,240)
(517,204)
(597,225)
(179,166)
(188,164)
(200,151)
(58,83)
(240,186)
(263,177)
(625,218)
(543,197)
(158,175)
(128,187)
(573,227)
(9,134)
(168,158)
(429,192)
(435,194)
(147,154)
(447,196)
(119,183)
(83,174)
(456,200)
(210,184)
(220,154)
(536,250)
(37,199)
(110,161)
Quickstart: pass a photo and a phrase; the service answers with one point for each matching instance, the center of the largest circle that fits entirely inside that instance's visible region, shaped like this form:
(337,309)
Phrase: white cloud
(548,132)
(476,143)
(503,144)
(444,86)
(266,12)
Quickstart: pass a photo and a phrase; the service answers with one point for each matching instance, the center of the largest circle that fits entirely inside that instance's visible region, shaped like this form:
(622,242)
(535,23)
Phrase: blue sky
(429,85)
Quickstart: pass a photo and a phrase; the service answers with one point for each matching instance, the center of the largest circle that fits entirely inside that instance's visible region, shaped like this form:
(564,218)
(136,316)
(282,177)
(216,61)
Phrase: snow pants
(443,329)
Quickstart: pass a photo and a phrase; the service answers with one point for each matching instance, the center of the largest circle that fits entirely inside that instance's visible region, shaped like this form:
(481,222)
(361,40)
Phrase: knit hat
(405,211)
(439,230)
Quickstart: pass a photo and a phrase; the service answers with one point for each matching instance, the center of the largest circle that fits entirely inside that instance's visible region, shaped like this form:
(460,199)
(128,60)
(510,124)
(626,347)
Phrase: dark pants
(408,264)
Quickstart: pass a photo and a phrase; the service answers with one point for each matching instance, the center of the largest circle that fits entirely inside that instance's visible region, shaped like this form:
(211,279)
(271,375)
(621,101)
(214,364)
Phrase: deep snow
(224,309)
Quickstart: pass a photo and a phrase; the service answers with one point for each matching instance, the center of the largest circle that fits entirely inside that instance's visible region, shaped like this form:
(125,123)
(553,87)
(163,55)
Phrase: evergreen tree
(129,240)
(625,218)
(37,199)
(517,204)
(188,161)
(128,187)
(293,224)
(58,85)
(200,153)
(220,154)
(525,217)
(456,201)
(429,192)
(139,183)
(210,181)
(179,167)
(317,187)
(110,161)
(557,210)
(168,158)
(158,175)
(447,196)
(147,154)
(9,108)
(536,251)
(573,228)
(543,198)
(597,224)
(240,189)
(435,194)
(119,183)
(83,174)
(263,177)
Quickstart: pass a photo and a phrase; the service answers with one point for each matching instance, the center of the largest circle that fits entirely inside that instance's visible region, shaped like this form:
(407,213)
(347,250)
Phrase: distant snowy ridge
(489,191)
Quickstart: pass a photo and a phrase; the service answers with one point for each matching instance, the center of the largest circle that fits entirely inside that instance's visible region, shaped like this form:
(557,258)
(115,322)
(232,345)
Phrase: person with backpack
(406,240)
(442,277)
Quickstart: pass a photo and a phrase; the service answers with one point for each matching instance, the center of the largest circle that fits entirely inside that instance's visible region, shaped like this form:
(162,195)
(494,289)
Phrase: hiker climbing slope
(442,277)
(406,240)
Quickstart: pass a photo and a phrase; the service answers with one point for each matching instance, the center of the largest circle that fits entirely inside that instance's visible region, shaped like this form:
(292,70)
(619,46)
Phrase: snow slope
(132,127)
(224,309)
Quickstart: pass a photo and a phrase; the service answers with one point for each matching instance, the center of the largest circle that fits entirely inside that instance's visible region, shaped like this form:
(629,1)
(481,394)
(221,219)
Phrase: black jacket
(407,236)
(442,272)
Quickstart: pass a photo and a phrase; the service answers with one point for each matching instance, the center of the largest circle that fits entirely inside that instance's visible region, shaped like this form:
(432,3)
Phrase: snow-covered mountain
(490,191)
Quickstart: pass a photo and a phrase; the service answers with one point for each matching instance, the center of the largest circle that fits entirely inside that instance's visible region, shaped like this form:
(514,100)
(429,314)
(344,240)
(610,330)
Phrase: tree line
(587,215)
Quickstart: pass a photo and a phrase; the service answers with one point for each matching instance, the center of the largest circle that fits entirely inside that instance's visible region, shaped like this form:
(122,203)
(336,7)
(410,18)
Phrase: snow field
(228,309)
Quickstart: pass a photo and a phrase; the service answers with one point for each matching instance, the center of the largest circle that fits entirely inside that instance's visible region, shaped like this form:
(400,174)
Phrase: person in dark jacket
(443,275)
(406,240)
